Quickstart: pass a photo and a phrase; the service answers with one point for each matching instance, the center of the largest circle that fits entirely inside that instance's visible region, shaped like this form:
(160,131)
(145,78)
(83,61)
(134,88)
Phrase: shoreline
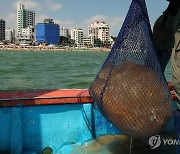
(47,48)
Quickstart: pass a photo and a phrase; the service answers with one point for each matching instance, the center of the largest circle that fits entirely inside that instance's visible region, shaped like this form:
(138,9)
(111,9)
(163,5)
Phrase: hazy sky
(79,13)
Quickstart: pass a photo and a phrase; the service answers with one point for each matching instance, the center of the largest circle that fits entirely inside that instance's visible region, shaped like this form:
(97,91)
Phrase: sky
(79,13)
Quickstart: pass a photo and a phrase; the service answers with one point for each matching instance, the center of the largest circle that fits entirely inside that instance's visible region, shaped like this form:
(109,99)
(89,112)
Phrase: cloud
(65,23)
(96,18)
(114,23)
(11,20)
(29,4)
(40,18)
(62,23)
(53,6)
(11,16)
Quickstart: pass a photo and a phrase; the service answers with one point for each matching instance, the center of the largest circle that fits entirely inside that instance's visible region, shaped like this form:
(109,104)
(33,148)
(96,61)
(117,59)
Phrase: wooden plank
(47,97)
(44,97)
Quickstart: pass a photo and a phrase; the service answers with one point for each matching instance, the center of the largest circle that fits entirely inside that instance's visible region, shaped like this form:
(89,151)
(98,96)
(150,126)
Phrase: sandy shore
(49,48)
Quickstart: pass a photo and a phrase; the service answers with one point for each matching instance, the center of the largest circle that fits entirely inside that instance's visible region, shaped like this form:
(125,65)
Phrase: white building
(100,30)
(77,35)
(25,18)
(10,35)
(64,32)
(88,41)
(27,35)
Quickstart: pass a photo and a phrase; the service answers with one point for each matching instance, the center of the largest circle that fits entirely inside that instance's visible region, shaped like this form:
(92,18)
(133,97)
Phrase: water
(21,70)
(26,70)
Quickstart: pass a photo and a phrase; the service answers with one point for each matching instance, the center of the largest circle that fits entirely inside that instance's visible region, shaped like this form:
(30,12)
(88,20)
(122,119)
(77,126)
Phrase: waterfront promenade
(51,48)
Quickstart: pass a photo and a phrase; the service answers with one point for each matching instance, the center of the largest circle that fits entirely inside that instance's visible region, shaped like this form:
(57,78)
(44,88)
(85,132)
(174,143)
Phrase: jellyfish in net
(130,89)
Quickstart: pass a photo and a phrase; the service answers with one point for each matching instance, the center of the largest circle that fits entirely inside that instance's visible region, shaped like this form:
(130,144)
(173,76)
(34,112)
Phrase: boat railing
(47,97)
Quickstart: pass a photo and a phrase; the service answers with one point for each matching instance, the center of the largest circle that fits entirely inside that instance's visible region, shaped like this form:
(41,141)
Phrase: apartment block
(2,29)
(25,18)
(64,32)
(77,35)
(100,30)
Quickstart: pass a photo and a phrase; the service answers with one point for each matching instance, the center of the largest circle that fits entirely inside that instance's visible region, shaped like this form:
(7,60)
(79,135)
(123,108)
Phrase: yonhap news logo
(156,141)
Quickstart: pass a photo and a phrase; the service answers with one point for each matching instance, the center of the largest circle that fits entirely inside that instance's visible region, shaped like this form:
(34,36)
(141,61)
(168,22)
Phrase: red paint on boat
(44,97)
(47,97)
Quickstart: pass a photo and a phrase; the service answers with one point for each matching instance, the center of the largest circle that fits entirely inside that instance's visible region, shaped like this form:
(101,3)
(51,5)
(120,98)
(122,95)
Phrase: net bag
(130,90)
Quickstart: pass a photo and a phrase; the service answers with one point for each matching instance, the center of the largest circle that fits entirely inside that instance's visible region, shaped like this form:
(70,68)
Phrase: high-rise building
(25,18)
(10,35)
(64,32)
(30,18)
(47,33)
(100,30)
(77,35)
(21,18)
(2,29)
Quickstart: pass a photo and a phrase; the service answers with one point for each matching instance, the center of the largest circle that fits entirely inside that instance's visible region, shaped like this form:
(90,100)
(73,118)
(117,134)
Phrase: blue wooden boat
(60,119)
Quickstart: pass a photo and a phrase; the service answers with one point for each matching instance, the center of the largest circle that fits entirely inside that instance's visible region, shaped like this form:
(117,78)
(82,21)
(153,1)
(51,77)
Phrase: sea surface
(27,70)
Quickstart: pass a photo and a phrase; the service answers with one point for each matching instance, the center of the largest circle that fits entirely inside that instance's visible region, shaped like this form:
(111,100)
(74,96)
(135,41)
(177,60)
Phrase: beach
(50,48)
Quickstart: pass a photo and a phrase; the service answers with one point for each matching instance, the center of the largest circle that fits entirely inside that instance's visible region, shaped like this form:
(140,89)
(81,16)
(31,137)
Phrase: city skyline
(79,14)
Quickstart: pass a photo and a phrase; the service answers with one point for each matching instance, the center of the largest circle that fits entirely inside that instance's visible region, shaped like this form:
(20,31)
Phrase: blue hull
(30,129)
